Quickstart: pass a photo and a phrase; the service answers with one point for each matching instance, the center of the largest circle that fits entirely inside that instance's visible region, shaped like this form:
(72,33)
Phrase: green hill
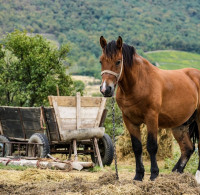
(146,24)
(172,60)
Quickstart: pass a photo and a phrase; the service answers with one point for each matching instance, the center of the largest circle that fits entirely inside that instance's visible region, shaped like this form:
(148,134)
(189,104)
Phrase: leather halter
(114,73)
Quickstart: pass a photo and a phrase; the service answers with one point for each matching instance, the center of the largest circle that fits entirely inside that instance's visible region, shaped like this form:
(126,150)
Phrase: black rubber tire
(106,150)
(41,151)
(7,146)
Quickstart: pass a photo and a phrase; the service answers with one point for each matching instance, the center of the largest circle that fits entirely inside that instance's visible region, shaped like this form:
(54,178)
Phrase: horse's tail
(194,133)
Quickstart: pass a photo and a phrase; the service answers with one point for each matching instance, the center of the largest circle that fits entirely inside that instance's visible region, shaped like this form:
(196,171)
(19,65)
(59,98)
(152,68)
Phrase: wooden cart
(70,125)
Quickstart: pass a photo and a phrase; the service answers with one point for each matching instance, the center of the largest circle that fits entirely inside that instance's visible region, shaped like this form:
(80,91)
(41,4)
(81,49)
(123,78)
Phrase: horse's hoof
(174,170)
(138,177)
(154,176)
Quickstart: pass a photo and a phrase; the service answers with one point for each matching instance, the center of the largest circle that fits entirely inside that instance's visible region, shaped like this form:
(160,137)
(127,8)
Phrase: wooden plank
(31,125)
(50,100)
(1,129)
(78,122)
(100,112)
(70,124)
(78,110)
(66,101)
(90,101)
(9,113)
(70,101)
(98,152)
(103,118)
(67,112)
(57,116)
(87,123)
(85,112)
(89,112)
(30,114)
(12,128)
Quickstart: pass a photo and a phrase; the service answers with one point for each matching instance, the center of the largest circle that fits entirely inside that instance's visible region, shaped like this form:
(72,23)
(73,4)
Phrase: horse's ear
(119,42)
(103,42)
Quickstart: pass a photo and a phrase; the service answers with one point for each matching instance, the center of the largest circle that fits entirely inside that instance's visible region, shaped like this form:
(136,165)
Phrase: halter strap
(114,73)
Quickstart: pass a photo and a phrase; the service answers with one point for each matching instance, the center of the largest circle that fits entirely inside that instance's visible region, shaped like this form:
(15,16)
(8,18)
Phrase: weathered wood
(100,112)
(78,117)
(1,129)
(85,112)
(77,165)
(78,110)
(36,163)
(86,164)
(103,118)
(57,115)
(52,126)
(70,101)
(98,152)
(75,150)
(82,134)
(70,124)
(58,92)
(58,164)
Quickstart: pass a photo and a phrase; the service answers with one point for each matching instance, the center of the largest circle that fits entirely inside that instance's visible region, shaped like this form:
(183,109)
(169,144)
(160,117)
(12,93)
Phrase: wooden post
(1,129)
(55,106)
(75,150)
(78,122)
(78,110)
(98,152)
(70,151)
(97,123)
(58,92)
(100,112)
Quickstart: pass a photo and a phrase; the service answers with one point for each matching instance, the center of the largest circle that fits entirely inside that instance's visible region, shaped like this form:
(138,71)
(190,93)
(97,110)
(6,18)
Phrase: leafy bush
(118,119)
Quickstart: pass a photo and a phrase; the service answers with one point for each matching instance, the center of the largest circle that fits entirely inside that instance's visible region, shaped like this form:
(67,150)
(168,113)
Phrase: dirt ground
(36,181)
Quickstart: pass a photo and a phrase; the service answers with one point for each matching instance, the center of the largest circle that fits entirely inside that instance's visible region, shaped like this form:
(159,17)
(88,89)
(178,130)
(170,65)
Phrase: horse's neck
(136,77)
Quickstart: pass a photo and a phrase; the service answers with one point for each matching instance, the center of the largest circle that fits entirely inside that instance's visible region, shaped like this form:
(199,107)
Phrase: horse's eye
(100,62)
(118,63)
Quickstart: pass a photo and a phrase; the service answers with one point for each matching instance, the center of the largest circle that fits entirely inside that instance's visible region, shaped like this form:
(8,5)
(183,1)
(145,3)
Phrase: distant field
(91,85)
(170,59)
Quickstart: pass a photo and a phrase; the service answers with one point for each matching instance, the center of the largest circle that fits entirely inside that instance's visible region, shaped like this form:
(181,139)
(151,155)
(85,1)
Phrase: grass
(171,60)
(13,167)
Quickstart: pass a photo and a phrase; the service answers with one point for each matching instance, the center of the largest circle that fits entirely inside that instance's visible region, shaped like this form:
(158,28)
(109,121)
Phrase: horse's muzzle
(108,92)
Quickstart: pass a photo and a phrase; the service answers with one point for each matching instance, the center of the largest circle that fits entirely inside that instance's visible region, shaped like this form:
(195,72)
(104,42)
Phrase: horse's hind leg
(183,138)
(137,148)
(197,176)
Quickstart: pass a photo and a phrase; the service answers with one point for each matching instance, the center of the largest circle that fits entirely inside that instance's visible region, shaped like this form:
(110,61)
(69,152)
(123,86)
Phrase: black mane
(127,50)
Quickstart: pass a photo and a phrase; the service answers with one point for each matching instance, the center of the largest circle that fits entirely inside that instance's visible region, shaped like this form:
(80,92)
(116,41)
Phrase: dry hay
(107,184)
(165,144)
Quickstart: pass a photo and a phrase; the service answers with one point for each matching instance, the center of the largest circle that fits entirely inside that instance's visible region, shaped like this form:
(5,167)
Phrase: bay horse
(155,97)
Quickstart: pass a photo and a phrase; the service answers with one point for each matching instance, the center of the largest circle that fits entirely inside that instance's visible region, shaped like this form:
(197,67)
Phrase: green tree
(30,69)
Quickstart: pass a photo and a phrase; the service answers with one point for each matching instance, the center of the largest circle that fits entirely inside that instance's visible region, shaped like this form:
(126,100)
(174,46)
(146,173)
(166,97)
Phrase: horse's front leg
(152,147)
(134,131)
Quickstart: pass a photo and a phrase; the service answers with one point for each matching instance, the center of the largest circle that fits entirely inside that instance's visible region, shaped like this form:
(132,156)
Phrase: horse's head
(111,65)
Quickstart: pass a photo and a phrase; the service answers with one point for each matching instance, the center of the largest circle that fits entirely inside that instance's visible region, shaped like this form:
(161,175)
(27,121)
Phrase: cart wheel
(7,146)
(38,150)
(106,150)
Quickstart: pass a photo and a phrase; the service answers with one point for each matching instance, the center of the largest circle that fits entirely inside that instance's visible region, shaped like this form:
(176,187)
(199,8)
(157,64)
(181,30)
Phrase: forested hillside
(146,24)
